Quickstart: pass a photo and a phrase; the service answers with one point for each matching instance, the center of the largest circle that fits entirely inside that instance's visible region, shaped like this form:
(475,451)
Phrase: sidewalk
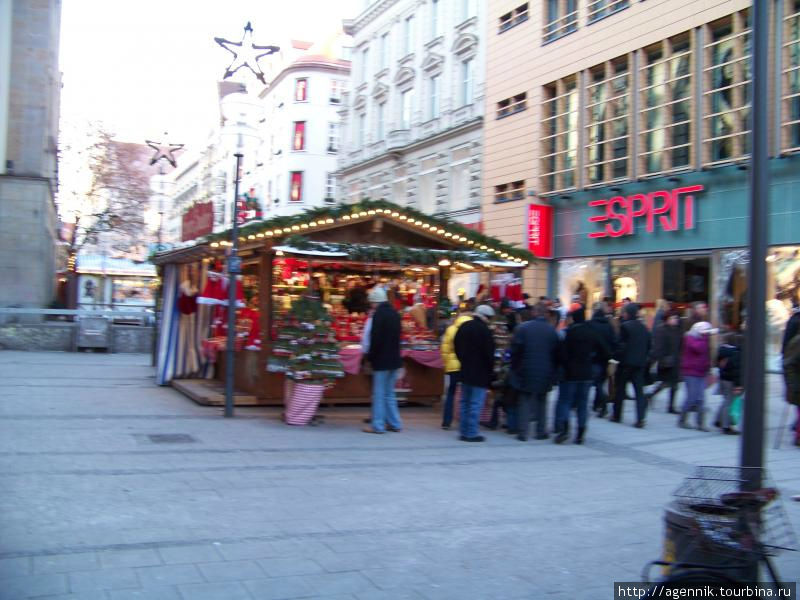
(113,488)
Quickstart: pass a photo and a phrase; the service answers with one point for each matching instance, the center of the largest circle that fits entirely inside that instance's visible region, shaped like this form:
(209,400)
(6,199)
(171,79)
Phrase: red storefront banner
(540,230)
(197,221)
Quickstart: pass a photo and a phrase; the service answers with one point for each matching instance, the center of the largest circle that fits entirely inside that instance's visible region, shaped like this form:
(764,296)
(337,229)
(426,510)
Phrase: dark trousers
(447,414)
(599,376)
(668,378)
(535,404)
(635,375)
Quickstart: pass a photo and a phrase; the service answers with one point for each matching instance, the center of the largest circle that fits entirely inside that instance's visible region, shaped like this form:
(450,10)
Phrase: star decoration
(246,54)
(164,151)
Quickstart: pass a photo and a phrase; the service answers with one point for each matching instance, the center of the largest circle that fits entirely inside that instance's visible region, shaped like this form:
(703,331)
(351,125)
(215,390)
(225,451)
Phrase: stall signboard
(619,215)
(540,230)
(197,221)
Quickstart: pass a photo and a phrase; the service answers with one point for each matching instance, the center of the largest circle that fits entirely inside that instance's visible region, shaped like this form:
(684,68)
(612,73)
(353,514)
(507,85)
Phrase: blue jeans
(695,394)
(471,404)
(572,394)
(447,415)
(384,402)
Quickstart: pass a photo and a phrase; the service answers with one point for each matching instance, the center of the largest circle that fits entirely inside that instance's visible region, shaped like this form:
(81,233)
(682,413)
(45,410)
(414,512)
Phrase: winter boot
(579,436)
(682,420)
(701,420)
(563,434)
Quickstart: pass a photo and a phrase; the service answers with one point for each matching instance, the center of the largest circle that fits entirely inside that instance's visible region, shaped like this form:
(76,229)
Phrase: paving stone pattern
(97,503)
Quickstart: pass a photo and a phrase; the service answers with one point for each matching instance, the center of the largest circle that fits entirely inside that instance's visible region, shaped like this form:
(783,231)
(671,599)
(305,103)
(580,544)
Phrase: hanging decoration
(248,208)
(246,54)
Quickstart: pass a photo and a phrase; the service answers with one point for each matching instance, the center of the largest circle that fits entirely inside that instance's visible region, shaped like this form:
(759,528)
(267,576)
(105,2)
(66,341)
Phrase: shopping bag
(736,409)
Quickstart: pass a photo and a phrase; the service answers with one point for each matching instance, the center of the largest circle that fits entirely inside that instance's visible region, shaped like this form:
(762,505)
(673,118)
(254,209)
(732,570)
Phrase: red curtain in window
(296,191)
(301,90)
(299,140)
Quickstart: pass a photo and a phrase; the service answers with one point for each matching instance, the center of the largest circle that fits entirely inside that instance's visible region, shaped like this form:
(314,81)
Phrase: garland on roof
(327,215)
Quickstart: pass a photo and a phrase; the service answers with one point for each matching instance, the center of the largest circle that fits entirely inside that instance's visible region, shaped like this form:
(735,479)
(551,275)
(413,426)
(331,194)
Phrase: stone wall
(52,336)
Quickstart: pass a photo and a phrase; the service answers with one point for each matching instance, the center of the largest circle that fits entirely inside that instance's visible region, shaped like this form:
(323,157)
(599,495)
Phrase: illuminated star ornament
(246,54)
(164,151)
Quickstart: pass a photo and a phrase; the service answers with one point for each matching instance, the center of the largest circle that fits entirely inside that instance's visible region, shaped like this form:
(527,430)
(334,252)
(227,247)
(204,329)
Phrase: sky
(143,67)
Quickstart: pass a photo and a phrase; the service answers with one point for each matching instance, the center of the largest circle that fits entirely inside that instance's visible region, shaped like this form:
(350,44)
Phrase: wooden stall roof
(370,222)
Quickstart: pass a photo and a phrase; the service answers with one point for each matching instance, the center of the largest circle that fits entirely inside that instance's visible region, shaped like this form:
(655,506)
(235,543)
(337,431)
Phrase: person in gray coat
(534,356)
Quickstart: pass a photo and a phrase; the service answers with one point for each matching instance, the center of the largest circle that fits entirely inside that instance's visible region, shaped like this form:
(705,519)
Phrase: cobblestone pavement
(112,488)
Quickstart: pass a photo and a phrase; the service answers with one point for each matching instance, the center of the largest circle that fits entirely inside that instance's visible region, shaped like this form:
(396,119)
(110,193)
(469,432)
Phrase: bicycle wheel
(689,577)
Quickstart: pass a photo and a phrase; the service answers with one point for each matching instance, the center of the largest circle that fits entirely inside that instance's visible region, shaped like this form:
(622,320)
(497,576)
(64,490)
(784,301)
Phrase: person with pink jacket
(695,366)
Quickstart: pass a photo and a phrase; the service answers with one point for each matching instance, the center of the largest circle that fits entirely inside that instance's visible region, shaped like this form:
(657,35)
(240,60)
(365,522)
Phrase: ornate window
(559,135)
(460,178)
(427,185)
(408,35)
(434,85)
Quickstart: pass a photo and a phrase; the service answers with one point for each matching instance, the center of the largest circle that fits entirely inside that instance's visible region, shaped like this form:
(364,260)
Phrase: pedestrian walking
(663,306)
(667,343)
(632,352)
(534,355)
(729,362)
(791,375)
(602,325)
(474,347)
(384,356)
(451,366)
(698,313)
(695,366)
(792,326)
(582,345)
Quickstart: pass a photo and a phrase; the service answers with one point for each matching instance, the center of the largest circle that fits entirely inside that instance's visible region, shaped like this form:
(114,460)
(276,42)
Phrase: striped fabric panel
(303,403)
(168,333)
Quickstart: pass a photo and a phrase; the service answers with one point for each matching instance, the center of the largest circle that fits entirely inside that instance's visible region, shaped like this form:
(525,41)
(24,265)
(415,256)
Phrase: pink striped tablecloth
(351,358)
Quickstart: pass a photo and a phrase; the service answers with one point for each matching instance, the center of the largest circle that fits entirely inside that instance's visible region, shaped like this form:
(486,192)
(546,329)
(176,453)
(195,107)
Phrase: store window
(133,292)
(296,186)
(600,9)
(790,126)
(559,132)
(583,279)
(299,136)
(560,19)
(727,102)
(608,121)
(665,98)
(301,90)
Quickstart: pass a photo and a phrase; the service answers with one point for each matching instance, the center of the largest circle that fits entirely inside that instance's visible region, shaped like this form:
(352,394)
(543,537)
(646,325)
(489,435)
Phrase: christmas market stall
(302,301)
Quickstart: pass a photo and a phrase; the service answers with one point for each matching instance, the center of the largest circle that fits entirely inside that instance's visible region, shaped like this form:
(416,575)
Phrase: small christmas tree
(306,348)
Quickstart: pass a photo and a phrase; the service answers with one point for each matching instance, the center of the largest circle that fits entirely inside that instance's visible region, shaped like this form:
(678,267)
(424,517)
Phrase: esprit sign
(540,230)
(669,210)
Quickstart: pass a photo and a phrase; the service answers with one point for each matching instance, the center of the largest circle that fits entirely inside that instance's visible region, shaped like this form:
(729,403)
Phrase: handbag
(736,409)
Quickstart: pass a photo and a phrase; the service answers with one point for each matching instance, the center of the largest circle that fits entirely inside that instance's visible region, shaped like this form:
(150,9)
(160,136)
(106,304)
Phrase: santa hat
(213,292)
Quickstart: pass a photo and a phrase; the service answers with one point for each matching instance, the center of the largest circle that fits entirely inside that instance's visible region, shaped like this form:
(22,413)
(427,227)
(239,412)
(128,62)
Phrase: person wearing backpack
(729,361)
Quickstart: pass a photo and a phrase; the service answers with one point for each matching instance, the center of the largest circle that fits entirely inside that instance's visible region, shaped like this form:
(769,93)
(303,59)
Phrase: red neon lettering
(598,218)
(688,206)
(623,217)
(669,223)
(643,210)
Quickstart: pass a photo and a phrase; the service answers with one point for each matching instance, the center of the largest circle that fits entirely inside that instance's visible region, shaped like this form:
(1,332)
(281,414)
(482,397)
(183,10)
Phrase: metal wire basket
(728,528)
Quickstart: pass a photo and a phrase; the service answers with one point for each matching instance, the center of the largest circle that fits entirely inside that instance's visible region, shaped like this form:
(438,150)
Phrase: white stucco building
(412,120)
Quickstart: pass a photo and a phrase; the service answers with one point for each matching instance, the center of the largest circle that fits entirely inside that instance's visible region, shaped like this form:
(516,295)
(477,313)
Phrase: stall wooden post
(265,314)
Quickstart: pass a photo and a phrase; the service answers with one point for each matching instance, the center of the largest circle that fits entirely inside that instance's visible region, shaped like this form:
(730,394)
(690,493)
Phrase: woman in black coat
(667,342)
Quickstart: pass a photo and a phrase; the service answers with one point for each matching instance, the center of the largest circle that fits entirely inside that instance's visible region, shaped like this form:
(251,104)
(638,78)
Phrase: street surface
(95,505)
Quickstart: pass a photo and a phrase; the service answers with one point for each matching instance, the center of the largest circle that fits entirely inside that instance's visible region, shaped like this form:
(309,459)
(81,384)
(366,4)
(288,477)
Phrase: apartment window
(510,106)
(469,9)
(364,64)
(299,137)
(296,186)
(330,188)
(362,129)
(608,93)
(333,137)
(790,101)
(726,89)
(507,192)
(427,186)
(406,98)
(385,50)
(399,185)
(408,35)
(301,90)
(467,82)
(436,18)
(433,97)
(460,179)
(380,121)
(337,87)
(600,9)
(515,17)
(665,92)
(560,18)
(559,142)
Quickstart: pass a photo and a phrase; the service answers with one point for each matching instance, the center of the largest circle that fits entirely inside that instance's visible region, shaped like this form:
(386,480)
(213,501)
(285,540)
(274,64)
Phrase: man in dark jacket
(474,346)
(602,325)
(534,354)
(632,353)
(792,327)
(581,346)
(667,340)
(384,356)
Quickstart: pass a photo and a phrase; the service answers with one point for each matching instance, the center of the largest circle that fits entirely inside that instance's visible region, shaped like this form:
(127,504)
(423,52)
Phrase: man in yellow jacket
(451,365)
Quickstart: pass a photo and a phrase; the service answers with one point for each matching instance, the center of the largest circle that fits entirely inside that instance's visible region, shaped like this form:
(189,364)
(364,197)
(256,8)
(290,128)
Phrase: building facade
(412,118)
(630,119)
(30,87)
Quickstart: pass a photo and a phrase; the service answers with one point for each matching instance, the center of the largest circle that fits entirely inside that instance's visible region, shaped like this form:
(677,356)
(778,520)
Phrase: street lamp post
(238,110)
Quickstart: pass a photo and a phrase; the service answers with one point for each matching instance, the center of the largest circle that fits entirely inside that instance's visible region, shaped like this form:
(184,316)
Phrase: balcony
(398,139)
